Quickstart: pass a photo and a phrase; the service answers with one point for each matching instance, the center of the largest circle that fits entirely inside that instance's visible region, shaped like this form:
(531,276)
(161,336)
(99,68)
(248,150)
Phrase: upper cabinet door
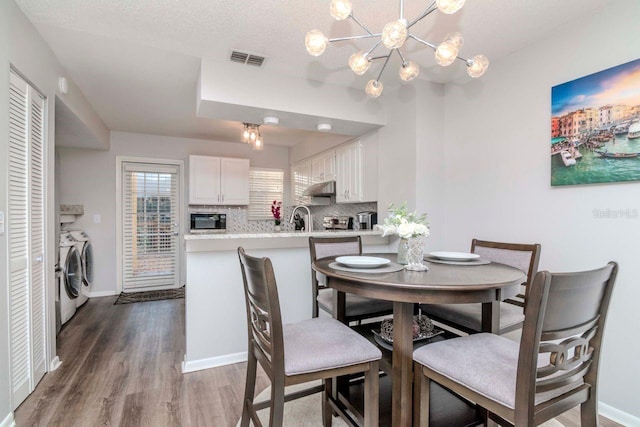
(300,180)
(323,167)
(234,181)
(218,181)
(204,180)
(357,170)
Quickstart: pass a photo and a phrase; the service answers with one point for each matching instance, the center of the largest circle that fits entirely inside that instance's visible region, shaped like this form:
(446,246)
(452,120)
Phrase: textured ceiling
(137,61)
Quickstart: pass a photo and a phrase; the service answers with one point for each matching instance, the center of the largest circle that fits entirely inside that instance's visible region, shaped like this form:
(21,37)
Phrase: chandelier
(251,135)
(393,36)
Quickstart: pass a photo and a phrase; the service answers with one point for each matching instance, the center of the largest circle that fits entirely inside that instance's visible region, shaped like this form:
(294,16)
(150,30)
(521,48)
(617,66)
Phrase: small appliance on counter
(208,222)
(337,223)
(367,219)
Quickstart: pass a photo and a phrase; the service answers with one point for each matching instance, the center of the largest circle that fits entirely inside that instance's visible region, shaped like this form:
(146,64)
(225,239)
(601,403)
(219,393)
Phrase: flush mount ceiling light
(324,127)
(393,37)
(251,135)
(273,121)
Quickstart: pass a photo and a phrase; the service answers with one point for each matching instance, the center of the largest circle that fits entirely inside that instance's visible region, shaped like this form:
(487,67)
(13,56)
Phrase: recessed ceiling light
(324,127)
(271,121)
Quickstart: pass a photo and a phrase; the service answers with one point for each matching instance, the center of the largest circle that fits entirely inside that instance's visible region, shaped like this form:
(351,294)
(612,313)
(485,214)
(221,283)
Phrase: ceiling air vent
(247,58)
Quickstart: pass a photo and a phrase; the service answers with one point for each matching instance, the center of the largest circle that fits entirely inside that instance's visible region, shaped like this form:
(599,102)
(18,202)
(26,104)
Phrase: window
(265,186)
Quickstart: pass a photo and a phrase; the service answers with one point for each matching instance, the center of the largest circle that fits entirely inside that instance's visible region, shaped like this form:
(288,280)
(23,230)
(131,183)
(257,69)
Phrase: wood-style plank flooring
(122,367)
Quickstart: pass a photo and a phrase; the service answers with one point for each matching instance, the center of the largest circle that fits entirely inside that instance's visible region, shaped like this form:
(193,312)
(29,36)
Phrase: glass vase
(415,254)
(403,250)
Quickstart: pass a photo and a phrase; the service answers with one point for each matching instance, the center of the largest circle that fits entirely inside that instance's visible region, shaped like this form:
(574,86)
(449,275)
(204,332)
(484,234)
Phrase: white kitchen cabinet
(323,167)
(218,181)
(301,179)
(357,170)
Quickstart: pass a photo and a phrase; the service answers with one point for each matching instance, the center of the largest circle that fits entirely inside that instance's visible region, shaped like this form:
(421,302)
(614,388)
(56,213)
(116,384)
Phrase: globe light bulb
(394,34)
(315,42)
(446,53)
(359,63)
(340,9)
(449,6)
(374,88)
(477,66)
(409,71)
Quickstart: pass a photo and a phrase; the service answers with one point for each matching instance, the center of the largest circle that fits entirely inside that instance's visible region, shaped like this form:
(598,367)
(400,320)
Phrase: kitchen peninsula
(216,331)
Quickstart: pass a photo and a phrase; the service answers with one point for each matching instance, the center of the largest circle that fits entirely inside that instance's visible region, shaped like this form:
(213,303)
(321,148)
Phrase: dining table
(486,283)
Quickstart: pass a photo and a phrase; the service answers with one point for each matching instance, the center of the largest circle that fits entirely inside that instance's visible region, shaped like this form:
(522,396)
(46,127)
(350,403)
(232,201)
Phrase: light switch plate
(97,218)
(1,222)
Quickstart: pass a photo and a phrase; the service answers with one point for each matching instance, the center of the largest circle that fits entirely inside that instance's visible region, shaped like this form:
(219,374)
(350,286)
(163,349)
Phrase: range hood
(326,189)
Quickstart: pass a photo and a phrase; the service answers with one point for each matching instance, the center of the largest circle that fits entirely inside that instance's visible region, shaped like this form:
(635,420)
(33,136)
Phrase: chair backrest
(264,321)
(562,335)
(524,257)
(321,247)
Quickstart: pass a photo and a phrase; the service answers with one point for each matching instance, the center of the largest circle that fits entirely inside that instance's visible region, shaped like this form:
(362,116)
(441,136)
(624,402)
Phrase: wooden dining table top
(440,284)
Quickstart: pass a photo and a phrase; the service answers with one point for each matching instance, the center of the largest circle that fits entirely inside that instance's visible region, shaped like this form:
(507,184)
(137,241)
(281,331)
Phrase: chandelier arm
(373,48)
(404,61)
(364,36)
(384,66)
(360,24)
(424,42)
(428,10)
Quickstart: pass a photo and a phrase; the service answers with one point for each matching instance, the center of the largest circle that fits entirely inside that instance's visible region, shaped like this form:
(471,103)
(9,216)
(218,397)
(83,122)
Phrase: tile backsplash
(237,221)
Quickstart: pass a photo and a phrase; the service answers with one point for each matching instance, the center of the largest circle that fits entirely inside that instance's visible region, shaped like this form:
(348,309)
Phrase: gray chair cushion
(356,306)
(323,343)
(470,315)
(484,363)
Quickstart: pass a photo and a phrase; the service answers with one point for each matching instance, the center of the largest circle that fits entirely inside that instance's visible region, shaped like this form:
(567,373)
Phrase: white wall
(88,177)
(497,177)
(22,47)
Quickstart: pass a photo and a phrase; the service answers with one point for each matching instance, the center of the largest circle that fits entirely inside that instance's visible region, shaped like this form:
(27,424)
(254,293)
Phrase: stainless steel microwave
(208,222)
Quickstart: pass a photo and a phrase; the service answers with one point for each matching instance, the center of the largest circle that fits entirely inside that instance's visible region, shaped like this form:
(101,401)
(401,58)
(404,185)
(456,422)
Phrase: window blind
(265,186)
(150,209)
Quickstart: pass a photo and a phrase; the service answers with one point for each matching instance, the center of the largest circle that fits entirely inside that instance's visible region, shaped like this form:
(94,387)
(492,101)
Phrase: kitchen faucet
(309,220)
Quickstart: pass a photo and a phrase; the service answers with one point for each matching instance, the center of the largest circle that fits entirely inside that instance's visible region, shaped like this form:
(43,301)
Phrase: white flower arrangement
(404,224)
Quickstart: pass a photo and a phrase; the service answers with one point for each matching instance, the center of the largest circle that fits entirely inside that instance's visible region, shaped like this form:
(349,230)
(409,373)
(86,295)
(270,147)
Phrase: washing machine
(83,246)
(70,283)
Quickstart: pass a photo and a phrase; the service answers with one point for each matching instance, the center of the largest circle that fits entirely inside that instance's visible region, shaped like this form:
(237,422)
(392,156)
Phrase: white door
(27,328)
(150,227)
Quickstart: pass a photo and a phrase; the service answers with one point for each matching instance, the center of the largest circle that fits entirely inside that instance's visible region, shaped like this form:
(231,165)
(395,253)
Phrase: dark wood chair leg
(276,417)
(589,412)
(371,395)
(327,412)
(425,384)
(249,388)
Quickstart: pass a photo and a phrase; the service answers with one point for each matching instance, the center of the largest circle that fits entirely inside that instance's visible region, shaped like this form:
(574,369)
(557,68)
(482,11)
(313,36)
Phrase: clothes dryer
(71,276)
(86,255)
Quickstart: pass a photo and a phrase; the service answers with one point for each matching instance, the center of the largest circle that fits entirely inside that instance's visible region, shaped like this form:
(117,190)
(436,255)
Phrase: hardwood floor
(122,367)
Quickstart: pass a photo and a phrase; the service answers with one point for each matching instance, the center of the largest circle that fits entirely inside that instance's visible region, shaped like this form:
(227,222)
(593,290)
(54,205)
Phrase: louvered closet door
(26,239)
(150,226)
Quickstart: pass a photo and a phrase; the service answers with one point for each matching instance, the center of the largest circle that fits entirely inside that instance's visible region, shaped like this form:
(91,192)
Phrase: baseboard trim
(98,294)
(8,421)
(615,414)
(55,364)
(213,362)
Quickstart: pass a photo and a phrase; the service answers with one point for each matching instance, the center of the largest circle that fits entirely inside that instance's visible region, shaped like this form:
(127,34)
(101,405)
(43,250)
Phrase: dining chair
(312,349)
(554,367)
(468,317)
(357,308)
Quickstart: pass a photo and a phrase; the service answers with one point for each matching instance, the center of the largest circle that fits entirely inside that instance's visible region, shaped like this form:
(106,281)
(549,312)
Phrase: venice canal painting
(595,127)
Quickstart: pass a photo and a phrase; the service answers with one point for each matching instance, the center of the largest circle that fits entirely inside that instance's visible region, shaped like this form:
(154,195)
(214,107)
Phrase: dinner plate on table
(454,256)
(362,261)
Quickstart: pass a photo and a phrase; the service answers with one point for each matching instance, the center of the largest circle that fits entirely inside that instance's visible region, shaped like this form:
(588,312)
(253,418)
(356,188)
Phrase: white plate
(362,261)
(454,256)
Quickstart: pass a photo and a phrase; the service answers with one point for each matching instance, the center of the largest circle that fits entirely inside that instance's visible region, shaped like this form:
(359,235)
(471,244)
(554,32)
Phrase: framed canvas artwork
(595,127)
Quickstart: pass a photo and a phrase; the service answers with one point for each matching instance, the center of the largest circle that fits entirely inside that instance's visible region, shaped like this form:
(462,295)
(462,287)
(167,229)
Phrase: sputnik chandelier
(393,36)
(251,135)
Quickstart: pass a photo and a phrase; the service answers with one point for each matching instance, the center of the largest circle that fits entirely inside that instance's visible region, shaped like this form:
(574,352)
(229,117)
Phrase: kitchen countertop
(296,239)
